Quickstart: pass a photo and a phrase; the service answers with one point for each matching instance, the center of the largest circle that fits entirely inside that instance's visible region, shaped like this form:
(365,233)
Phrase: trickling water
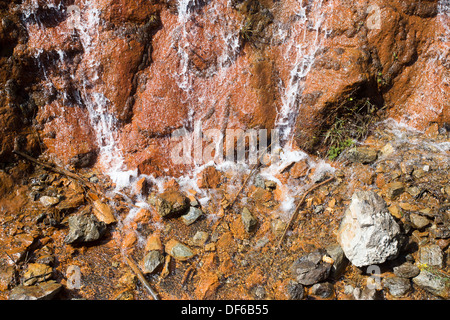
(302,43)
(83,23)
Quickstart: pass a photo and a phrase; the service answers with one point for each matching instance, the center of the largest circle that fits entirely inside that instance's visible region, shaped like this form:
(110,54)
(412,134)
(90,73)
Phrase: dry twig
(294,215)
(141,277)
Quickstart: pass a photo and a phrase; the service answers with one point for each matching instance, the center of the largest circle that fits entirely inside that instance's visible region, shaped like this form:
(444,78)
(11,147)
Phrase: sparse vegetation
(352,122)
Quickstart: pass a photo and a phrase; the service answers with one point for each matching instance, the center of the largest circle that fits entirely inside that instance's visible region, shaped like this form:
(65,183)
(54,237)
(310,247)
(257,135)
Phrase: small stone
(103,212)
(171,203)
(406,270)
(418,222)
(387,150)
(278,227)
(339,260)
(259,182)
(193,214)
(362,155)
(260,292)
(310,269)
(153,243)
(84,228)
(295,291)
(433,283)
(248,220)
(178,251)
(193,201)
(431,255)
(210,247)
(200,238)
(36,272)
(299,169)
(6,278)
(42,291)
(129,240)
(397,286)
(49,201)
(394,189)
(395,211)
(152,261)
(323,290)
(142,187)
(270,185)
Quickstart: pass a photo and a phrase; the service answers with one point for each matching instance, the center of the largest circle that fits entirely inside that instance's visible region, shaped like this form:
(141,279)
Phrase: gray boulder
(368,234)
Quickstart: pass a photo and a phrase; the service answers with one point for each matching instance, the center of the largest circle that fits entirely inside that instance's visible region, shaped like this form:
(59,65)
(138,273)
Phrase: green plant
(335,151)
(350,122)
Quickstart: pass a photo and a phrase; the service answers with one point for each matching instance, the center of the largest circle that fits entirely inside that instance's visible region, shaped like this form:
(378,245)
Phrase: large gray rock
(368,234)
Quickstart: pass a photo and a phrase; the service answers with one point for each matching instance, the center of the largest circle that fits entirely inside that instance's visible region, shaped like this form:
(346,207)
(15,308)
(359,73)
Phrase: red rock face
(247,65)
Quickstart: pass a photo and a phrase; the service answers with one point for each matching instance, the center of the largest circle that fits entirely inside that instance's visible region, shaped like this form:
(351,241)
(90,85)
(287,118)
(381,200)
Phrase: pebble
(36,272)
(248,220)
(323,290)
(171,203)
(394,189)
(406,270)
(48,201)
(153,243)
(200,238)
(103,212)
(6,278)
(178,251)
(295,290)
(397,286)
(152,261)
(362,155)
(310,269)
(193,214)
(368,233)
(84,228)
(418,222)
(339,260)
(431,255)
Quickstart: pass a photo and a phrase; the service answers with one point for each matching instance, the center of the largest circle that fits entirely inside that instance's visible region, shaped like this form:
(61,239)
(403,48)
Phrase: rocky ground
(379,230)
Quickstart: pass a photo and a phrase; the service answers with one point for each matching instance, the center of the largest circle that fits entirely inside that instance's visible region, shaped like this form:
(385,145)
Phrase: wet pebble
(397,286)
(84,228)
(418,222)
(310,269)
(431,255)
(248,220)
(152,261)
(192,215)
(178,251)
(406,270)
(200,238)
(323,290)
